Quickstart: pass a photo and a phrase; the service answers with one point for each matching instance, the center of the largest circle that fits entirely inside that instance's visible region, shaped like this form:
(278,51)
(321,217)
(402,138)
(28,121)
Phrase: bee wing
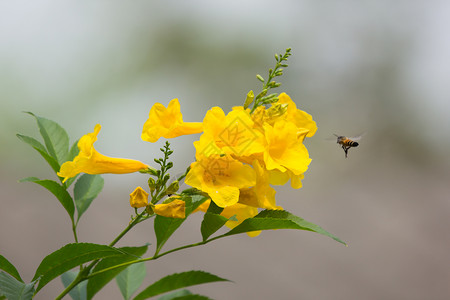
(358,137)
(332,138)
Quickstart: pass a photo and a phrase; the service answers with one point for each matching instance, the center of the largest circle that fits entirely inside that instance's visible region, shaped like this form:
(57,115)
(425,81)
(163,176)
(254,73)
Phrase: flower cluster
(239,156)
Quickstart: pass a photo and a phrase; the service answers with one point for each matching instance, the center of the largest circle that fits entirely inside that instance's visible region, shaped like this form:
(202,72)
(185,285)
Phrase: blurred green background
(380,67)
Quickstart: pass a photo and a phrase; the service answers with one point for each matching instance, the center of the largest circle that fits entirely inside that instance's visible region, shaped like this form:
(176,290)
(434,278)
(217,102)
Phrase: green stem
(74,230)
(156,256)
(81,275)
(128,228)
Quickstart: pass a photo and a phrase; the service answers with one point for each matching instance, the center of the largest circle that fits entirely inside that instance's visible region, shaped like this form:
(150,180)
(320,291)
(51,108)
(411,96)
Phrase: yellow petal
(240,212)
(174,209)
(168,123)
(285,151)
(139,198)
(262,195)
(300,118)
(220,177)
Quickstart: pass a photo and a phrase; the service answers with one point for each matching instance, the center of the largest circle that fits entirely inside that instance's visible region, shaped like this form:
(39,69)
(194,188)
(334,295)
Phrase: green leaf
(165,227)
(73,152)
(214,209)
(68,257)
(130,279)
(59,191)
(177,281)
(278,219)
(211,223)
(55,138)
(79,291)
(86,189)
(175,295)
(41,149)
(96,283)
(5,265)
(14,289)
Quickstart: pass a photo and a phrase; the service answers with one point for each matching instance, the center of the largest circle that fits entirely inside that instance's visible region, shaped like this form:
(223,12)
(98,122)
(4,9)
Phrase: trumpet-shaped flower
(300,118)
(174,209)
(285,150)
(168,123)
(139,198)
(92,162)
(229,134)
(220,177)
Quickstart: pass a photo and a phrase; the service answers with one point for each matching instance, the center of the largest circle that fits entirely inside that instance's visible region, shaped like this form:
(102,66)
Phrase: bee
(347,143)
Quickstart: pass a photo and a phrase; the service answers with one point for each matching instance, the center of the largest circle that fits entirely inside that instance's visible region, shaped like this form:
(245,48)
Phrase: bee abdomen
(353,144)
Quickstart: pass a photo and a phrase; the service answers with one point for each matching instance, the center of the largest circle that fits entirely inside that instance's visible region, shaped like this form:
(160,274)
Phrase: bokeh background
(380,67)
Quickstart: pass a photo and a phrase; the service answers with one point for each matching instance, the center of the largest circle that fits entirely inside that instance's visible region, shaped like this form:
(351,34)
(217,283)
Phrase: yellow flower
(168,123)
(285,150)
(139,198)
(300,118)
(92,162)
(262,195)
(229,134)
(220,177)
(173,209)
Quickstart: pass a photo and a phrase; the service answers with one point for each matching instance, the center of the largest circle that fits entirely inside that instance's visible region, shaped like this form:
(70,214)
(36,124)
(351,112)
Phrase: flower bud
(151,184)
(173,188)
(249,99)
(174,209)
(260,78)
(138,198)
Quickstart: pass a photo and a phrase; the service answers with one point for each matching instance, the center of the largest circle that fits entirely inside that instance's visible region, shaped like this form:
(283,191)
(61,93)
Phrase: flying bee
(347,143)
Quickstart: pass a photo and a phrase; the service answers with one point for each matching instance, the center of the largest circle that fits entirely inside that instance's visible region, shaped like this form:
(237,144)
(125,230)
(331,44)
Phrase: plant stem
(74,230)
(82,274)
(80,277)
(155,256)
(128,228)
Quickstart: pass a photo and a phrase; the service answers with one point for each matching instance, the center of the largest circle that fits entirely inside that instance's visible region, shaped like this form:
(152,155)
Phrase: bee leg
(345,150)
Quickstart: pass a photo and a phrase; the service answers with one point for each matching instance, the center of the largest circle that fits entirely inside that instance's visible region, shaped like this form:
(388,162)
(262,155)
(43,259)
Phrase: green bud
(169,165)
(166,177)
(277,110)
(259,77)
(173,188)
(279,72)
(249,99)
(269,99)
(151,184)
(276,57)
